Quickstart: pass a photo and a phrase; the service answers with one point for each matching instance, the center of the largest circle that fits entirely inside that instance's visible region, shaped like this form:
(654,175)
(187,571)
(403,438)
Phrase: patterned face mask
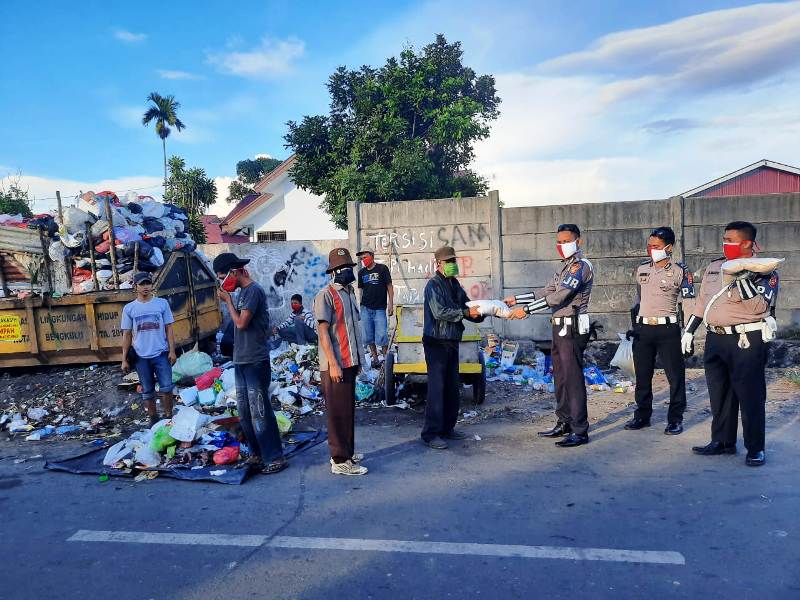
(450,269)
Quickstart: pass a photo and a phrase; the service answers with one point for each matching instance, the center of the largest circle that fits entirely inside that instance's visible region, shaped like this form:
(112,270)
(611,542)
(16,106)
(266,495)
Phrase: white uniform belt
(656,320)
(562,320)
(731,329)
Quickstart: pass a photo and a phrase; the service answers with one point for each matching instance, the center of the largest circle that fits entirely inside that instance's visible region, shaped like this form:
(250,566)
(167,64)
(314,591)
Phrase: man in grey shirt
(251,362)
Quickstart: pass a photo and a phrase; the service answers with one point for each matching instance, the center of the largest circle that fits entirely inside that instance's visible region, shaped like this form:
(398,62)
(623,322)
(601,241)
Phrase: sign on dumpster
(10,328)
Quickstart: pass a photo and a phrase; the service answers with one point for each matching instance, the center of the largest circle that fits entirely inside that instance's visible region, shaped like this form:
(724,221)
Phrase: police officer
(737,310)
(567,297)
(660,281)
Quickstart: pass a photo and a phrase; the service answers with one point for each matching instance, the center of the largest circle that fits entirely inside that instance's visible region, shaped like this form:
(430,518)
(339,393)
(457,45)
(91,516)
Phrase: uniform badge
(340,252)
(689,277)
(773,281)
(574,268)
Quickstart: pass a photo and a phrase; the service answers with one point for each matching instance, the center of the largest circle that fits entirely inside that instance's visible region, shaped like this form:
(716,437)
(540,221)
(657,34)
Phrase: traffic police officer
(739,320)
(567,296)
(656,332)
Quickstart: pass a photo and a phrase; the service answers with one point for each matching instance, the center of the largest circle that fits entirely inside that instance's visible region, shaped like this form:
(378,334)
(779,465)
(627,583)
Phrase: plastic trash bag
(162,439)
(207,397)
(146,456)
(227,455)
(189,395)
(623,357)
(228,379)
(763,265)
(186,423)
(191,364)
(284,422)
(116,453)
(75,219)
(491,308)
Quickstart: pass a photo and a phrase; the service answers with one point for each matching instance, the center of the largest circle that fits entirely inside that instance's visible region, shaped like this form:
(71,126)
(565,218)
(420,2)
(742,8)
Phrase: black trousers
(441,408)
(735,378)
(567,355)
(663,341)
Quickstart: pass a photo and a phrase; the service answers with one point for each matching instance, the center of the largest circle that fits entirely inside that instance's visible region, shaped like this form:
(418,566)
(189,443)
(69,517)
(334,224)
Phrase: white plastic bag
(754,264)
(146,457)
(75,219)
(186,423)
(623,357)
(228,379)
(116,453)
(491,308)
(189,395)
(207,397)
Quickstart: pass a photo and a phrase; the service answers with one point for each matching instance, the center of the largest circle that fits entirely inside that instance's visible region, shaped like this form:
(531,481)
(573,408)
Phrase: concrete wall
(283,269)
(404,235)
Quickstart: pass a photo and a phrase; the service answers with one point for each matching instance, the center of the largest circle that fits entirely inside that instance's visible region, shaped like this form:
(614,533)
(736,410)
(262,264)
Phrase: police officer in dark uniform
(660,281)
(737,307)
(567,297)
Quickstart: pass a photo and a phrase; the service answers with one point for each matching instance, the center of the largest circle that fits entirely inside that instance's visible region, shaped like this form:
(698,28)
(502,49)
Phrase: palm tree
(163,112)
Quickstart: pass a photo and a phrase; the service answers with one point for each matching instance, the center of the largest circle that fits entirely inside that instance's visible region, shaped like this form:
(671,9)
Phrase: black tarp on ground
(91,462)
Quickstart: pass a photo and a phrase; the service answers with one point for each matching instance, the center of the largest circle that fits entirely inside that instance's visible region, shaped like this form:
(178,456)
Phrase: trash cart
(410,356)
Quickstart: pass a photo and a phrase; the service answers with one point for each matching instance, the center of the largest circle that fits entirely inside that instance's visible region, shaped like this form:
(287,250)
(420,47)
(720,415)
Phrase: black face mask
(344,276)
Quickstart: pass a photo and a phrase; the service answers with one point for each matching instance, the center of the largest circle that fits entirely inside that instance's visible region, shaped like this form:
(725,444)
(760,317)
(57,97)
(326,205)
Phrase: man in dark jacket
(445,309)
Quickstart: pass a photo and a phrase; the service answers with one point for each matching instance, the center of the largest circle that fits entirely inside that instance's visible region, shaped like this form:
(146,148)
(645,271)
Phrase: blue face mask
(344,276)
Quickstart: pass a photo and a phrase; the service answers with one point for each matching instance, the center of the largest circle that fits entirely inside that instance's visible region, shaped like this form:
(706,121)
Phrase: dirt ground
(91,396)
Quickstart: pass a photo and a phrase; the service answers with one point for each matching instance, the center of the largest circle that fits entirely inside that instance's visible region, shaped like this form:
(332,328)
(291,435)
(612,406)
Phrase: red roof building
(762,177)
(214,234)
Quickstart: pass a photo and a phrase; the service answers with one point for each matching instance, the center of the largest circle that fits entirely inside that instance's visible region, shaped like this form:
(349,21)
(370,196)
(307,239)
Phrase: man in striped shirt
(340,341)
(300,327)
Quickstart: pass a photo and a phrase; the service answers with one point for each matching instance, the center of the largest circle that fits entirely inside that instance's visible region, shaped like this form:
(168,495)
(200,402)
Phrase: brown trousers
(340,404)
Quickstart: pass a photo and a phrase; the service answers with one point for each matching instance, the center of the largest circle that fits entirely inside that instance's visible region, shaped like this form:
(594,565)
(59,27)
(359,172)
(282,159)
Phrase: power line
(148,187)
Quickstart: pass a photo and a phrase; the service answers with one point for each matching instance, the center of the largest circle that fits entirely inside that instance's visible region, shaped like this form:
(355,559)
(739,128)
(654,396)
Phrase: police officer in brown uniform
(660,281)
(567,296)
(739,322)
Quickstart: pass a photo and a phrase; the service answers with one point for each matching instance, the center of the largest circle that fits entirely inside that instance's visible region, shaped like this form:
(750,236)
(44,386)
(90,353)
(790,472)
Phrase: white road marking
(661,557)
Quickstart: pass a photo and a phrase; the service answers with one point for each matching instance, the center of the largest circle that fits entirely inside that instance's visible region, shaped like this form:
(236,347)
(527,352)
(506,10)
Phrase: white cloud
(221,208)
(271,58)
(262,156)
(43,189)
(128,37)
(127,116)
(178,75)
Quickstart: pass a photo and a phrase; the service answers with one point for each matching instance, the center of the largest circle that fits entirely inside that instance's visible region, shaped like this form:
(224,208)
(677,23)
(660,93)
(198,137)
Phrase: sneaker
(347,468)
(357,458)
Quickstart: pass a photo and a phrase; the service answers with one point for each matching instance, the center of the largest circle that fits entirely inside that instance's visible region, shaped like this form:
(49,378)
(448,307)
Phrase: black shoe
(637,423)
(755,459)
(455,434)
(436,443)
(674,429)
(715,448)
(560,430)
(573,439)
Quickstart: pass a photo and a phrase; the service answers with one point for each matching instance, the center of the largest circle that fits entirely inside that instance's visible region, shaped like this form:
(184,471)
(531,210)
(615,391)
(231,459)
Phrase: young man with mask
(340,358)
(147,326)
(251,362)
(656,331)
(567,298)
(300,327)
(444,311)
(377,300)
(739,323)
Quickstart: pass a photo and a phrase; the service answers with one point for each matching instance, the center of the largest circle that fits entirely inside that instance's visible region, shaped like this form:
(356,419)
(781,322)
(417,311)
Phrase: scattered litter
(477,437)
(102,478)
(218,472)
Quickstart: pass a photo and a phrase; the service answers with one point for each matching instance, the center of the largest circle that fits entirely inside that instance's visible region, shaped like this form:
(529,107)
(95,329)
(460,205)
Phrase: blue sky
(601,100)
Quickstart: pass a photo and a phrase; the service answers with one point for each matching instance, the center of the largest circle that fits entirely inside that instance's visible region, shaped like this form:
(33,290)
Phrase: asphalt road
(631,515)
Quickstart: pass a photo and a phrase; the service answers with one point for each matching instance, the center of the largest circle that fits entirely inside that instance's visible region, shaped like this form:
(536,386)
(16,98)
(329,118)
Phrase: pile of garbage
(536,372)
(142,230)
(296,378)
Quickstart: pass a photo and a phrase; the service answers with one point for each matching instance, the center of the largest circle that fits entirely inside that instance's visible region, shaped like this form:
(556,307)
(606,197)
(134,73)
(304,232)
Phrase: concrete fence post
(354,226)
(676,222)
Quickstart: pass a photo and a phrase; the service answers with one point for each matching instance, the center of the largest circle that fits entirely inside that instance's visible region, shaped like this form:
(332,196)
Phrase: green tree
(403,131)
(192,190)
(164,112)
(248,173)
(14,200)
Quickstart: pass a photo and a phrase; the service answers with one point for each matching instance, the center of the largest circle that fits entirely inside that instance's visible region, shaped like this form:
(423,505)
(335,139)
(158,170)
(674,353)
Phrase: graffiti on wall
(430,238)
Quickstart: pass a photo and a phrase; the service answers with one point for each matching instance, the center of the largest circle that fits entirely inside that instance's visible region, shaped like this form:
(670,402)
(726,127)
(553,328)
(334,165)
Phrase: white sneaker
(347,468)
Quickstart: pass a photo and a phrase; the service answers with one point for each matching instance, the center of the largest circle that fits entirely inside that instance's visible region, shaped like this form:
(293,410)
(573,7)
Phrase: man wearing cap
(300,327)
(251,362)
(738,309)
(340,347)
(444,311)
(567,298)
(377,300)
(147,327)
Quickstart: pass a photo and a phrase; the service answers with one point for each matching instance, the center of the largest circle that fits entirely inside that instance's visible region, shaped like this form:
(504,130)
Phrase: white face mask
(658,254)
(568,249)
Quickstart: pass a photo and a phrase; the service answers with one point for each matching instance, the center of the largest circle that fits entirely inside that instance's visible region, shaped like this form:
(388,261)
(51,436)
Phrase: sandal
(275,467)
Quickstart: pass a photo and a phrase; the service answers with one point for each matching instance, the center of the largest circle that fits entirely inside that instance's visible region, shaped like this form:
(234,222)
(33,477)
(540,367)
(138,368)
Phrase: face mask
(568,249)
(450,269)
(296,307)
(344,276)
(368,261)
(731,250)
(229,283)
(658,254)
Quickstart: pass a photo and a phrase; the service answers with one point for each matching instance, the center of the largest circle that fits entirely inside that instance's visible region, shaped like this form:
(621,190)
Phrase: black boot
(560,430)
(715,448)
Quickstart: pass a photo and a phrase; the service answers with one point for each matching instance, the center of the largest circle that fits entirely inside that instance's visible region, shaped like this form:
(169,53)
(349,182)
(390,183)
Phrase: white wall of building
(295,211)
